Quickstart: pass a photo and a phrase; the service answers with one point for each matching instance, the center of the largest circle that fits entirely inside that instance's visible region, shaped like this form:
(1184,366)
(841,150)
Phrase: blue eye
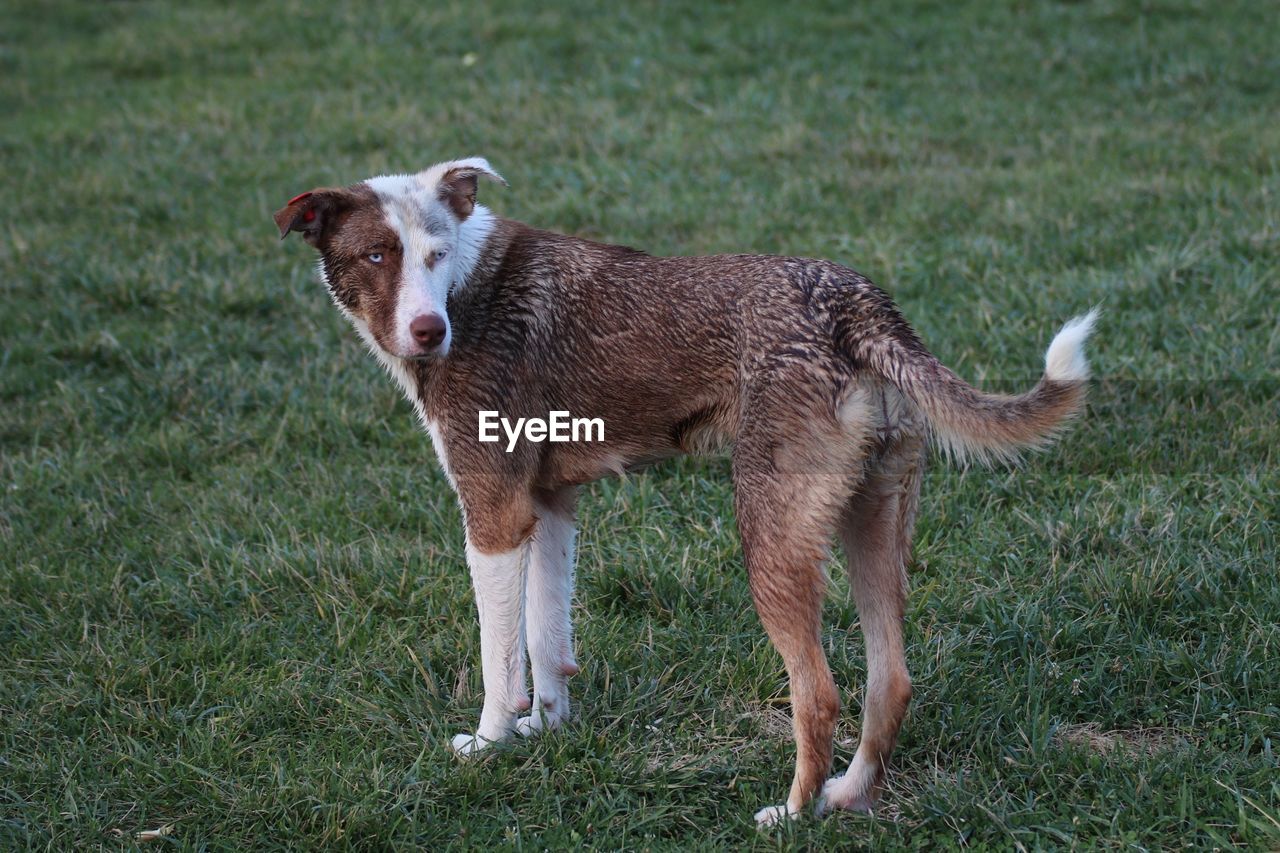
(375,258)
(440,253)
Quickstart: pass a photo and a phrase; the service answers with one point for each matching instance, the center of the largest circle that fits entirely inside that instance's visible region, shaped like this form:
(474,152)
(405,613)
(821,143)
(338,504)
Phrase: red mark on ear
(309,216)
(297,198)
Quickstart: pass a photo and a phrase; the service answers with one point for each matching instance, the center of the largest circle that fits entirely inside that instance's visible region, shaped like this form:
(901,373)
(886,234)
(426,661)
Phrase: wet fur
(808,372)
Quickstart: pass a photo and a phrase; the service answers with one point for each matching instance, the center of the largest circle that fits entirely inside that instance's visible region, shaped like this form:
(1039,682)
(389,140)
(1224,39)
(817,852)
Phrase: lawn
(233,601)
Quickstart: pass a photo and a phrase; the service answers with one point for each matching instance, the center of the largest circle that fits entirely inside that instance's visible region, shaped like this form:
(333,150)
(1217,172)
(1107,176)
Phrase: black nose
(427,330)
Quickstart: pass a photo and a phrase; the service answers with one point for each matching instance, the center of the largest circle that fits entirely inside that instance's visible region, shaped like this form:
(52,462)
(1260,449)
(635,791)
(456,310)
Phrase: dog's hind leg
(788,495)
(876,530)
(548,623)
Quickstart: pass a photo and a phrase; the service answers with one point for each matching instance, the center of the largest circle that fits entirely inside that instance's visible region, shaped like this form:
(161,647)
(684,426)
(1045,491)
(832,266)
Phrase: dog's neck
(476,245)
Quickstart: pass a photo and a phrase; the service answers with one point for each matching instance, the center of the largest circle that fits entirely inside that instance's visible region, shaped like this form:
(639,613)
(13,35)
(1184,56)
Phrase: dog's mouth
(418,354)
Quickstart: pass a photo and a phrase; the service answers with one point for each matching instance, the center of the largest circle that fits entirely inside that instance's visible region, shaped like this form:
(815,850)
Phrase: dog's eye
(375,258)
(440,253)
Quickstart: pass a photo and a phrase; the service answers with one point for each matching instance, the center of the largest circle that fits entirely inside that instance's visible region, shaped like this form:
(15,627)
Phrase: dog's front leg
(498,578)
(549,626)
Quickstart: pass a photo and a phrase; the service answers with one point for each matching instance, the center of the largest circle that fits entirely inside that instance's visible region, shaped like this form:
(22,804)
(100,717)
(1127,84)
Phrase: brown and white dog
(804,368)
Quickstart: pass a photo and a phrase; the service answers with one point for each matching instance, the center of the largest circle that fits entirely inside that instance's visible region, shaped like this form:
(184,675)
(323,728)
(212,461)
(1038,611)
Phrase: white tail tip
(1065,361)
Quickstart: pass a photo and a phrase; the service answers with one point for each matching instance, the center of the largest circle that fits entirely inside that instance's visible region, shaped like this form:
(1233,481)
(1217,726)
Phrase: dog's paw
(772,815)
(468,745)
(849,792)
(539,722)
(535,724)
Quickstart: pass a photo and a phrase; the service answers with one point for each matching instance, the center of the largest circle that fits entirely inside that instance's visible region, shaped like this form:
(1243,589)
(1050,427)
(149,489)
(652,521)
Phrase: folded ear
(310,212)
(456,181)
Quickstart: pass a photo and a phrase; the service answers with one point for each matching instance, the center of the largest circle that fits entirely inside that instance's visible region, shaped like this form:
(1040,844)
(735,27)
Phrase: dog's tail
(967,423)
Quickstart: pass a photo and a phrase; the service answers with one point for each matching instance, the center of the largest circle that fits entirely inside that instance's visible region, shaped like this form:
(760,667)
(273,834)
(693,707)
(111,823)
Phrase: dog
(807,372)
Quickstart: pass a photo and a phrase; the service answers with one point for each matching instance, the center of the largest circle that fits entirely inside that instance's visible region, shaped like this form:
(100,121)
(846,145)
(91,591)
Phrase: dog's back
(671,350)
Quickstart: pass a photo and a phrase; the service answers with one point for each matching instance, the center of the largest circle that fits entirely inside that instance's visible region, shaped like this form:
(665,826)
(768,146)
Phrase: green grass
(232,591)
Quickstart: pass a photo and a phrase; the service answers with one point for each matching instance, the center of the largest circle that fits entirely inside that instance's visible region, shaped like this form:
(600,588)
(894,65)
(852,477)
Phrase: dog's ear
(456,181)
(310,212)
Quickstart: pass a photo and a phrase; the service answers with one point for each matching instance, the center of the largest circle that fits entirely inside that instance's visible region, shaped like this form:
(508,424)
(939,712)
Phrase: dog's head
(393,247)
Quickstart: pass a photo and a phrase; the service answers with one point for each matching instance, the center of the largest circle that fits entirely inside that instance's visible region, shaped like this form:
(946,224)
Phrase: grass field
(233,602)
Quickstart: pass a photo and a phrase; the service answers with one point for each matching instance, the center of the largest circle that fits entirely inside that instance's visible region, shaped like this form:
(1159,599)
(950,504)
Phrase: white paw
(536,723)
(468,745)
(847,792)
(772,815)
(530,726)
